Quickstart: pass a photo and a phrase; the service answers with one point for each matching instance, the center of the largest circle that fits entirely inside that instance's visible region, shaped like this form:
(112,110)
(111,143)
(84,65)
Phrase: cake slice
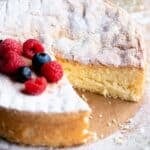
(102,51)
(57,117)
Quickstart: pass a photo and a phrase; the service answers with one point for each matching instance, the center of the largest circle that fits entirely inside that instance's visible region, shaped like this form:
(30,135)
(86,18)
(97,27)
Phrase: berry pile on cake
(13,63)
(38,106)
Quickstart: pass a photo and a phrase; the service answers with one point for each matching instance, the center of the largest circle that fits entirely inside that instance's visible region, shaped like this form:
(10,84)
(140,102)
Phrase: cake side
(126,83)
(44,129)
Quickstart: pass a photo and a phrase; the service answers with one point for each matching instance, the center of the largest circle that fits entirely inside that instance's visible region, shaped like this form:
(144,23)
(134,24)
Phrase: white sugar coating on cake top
(87,31)
(57,98)
(23,19)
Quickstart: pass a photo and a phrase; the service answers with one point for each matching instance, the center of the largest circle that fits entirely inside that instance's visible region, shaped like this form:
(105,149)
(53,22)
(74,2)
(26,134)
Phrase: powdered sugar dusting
(88,31)
(109,37)
(57,98)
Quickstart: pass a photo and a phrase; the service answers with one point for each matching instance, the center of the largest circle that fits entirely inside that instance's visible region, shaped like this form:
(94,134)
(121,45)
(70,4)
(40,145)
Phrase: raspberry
(35,86)
(52,71)
(10,62)
(10,45)
(31,47)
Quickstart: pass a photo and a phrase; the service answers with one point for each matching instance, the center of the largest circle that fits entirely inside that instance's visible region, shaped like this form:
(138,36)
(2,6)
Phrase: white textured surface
(57,98)
(88,31)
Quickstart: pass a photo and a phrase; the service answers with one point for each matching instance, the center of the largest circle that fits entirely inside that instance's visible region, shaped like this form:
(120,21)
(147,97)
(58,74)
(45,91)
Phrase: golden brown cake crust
(56,130)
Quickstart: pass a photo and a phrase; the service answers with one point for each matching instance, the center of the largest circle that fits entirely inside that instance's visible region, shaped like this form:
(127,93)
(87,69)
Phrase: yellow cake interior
(123,82)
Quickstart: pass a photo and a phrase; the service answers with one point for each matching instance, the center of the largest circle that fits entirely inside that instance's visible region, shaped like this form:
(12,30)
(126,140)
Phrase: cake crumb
(120,125)
(114,121)
(84,98)
(91,117)
(100,115)
(119,140)
(109,102)
(101,136)
(109,124)
(92,136)
(130,120)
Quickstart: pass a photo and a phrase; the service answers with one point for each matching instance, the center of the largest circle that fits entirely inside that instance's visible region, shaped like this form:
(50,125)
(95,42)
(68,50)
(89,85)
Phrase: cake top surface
(87,31)
(57,98)
(22,20)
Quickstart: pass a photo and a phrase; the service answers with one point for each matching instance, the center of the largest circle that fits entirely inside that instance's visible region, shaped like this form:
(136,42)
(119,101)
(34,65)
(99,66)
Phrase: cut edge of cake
(126,83)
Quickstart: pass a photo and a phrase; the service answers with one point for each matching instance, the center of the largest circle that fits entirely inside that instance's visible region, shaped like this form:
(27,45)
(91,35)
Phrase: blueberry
(39,59)
(24,74)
